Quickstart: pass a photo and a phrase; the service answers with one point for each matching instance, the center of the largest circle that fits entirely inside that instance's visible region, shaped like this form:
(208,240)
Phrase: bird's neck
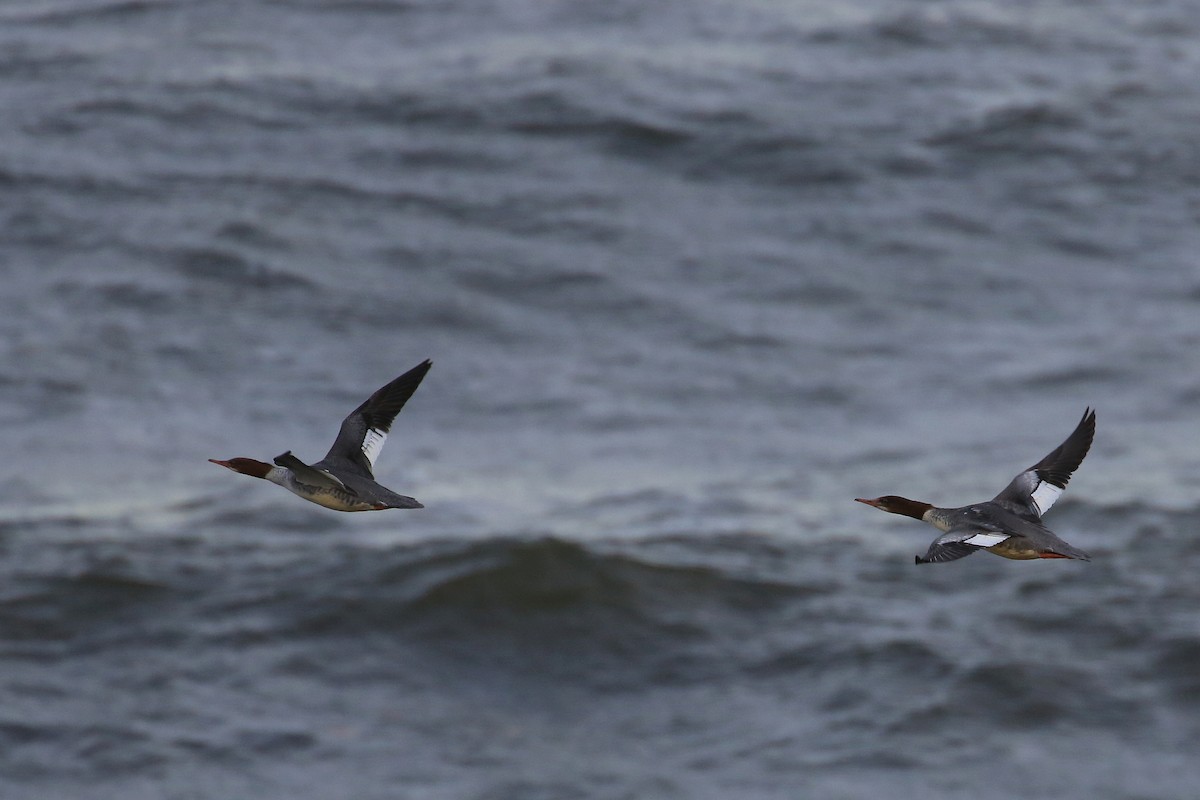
(910,508)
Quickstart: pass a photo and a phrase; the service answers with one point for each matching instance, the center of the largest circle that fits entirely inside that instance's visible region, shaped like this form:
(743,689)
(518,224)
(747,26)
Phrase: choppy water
(693,276)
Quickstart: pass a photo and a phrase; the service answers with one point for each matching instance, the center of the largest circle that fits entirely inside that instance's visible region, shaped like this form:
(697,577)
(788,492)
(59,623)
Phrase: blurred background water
(693,276)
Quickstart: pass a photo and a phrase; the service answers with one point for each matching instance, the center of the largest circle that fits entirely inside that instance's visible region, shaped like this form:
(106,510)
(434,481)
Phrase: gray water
(693,276)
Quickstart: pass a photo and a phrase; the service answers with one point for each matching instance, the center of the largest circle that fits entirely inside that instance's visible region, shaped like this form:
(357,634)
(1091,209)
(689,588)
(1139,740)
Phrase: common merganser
(1010,524)
(343,480)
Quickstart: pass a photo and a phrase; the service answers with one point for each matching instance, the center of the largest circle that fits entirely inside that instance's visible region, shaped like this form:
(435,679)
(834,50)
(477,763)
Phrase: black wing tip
(1060,464)
(416,374)
(412,377)
(279,458)
(1086,427)
(386,402)
(919,560)
(1087,423)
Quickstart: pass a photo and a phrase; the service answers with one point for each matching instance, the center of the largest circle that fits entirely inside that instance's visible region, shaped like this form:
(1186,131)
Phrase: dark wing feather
(1032,492)
(942,550)
(964,539)
(375,414)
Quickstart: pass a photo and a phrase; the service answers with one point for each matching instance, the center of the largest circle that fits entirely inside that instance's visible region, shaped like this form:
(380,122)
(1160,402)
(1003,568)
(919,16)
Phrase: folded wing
(310,475)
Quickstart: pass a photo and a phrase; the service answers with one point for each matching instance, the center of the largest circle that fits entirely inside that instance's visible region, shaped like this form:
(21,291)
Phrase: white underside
(330,500)
(322,496)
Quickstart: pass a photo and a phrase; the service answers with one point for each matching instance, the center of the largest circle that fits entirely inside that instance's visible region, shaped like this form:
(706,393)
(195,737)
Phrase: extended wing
(1033,492)
(364,432)
(958,543)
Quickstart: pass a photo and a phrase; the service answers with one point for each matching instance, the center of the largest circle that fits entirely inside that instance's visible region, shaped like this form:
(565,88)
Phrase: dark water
(693,277)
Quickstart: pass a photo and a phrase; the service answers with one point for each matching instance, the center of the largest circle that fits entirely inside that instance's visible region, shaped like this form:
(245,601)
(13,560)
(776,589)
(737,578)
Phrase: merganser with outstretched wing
(1010,524)
(343,480)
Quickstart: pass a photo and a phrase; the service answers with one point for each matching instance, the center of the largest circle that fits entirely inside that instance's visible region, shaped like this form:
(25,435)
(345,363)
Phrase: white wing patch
(372,444)
(1044,496)
(985,539)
